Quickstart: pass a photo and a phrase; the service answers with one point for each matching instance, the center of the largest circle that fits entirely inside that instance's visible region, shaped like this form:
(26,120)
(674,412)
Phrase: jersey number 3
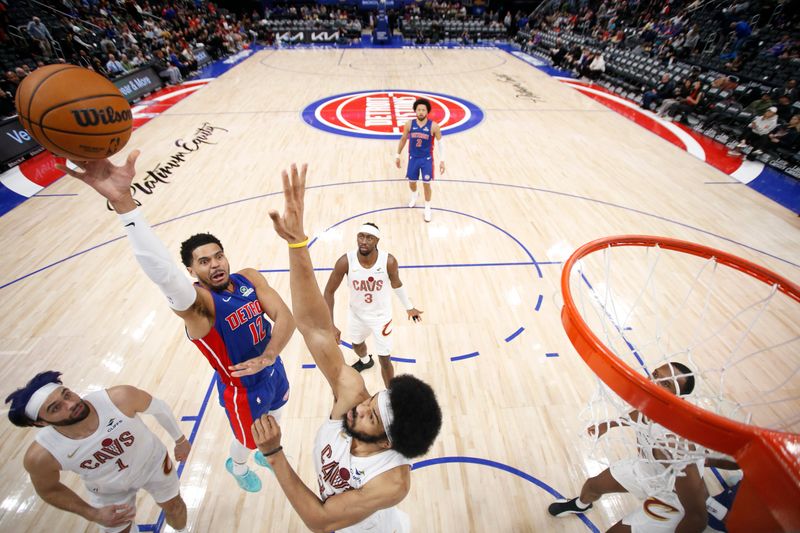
(368,297)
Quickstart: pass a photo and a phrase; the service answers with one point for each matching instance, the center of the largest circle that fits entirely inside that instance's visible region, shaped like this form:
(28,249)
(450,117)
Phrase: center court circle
(381,114)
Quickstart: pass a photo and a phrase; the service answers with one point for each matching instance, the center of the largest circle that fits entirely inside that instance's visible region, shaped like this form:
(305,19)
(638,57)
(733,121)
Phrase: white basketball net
(739,336)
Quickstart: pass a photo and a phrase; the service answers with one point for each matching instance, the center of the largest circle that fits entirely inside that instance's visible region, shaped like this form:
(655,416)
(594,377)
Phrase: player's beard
(80,417)
(363,437)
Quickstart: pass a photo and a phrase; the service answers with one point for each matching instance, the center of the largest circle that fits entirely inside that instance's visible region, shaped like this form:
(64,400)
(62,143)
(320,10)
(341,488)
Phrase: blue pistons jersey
(241,332)
(420,140)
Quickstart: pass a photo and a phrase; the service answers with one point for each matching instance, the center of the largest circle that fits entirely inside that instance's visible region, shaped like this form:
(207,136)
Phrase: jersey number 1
(257,331)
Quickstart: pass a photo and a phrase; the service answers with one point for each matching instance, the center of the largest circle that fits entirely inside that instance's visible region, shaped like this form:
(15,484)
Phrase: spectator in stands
(21,73)
(687,104)
(743,31)
(165,70)
(597,67)
(681,91)
(139,59)
(114,67)
(691,41)
(756,136)
(664,89)
(126,63)
(84,59)
(790,90)
(559,53)
(98,67)
(11,82)
(786,137)
(757,107)
(785,109)
(41,36)
(107,46)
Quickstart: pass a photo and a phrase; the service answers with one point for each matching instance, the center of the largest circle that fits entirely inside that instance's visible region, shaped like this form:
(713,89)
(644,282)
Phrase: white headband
(385,408)
(38,398)
(370,230)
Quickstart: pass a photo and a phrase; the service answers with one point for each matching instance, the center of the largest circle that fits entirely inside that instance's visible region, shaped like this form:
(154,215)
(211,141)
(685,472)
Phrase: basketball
(74,112)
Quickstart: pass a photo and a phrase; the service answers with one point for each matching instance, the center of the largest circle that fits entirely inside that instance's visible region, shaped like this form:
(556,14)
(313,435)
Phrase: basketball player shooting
(362,450)
(225,314)
(101,438)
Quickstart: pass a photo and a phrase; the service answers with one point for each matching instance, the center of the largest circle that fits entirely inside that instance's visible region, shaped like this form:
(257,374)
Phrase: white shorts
(657,514)
(358,329)
(162,487)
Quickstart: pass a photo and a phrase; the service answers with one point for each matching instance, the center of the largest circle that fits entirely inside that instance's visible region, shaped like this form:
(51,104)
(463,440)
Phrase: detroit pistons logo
(382,114)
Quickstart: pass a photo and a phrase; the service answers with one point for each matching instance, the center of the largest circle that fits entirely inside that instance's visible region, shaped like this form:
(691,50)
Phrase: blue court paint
(465,356)
(505,468)
(402,359)
(346,344)
(551,354)
(309,365)
(188,418)
(539,301)
(515,334)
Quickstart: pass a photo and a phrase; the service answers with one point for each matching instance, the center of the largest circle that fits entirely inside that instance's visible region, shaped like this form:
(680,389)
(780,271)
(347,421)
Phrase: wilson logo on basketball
(382,114)
(93,117)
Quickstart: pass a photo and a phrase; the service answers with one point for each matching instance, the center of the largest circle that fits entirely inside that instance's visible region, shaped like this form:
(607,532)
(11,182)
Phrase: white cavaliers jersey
(370,290)
(339,471)
(122,452)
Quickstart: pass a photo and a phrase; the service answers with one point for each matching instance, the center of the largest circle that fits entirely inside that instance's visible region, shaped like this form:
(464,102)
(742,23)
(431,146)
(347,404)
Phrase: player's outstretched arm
(311,314)
(46,478)
(113,183)
(338,511)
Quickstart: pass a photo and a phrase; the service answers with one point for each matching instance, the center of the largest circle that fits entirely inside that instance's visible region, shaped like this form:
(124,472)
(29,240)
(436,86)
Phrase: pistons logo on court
(382,114)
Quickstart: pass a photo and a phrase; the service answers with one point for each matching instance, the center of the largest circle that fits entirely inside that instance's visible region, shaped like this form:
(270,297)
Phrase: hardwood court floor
(538,177)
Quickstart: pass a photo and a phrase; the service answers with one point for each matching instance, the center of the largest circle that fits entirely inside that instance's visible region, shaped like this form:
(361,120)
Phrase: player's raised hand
(113,182)
(289,226)
(414,314)
(114,515)
(266,433)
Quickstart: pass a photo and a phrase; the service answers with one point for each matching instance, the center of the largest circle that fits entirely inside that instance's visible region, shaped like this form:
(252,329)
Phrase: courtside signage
(381,114)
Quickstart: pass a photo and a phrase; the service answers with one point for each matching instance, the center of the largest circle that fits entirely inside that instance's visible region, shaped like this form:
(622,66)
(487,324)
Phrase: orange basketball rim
(769,495)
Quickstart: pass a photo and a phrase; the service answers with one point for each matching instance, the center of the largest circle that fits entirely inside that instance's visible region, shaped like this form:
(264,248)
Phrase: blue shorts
(244,405)
(420,166)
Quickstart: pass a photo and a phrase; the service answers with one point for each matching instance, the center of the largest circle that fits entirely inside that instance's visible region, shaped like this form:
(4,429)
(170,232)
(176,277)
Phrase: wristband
(273,452)
(302,244)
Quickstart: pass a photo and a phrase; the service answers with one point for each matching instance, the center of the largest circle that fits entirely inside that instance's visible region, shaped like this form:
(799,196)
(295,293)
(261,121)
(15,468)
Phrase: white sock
(581,504)
(427,205)
(239,454)
(365,359)
(414,195)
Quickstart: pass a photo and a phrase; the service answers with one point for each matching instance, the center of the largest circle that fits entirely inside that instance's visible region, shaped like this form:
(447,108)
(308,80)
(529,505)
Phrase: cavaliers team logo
(381,114)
